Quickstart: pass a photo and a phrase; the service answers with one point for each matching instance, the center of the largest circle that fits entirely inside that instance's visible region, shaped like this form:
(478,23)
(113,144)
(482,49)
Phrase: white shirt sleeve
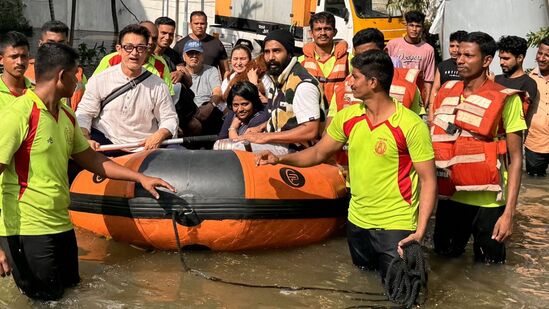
(268,84)
(225,84)
(164,110)
(90,105)
(306,103)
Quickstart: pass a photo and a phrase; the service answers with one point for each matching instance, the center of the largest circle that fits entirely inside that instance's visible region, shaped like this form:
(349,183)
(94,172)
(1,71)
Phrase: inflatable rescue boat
(223,202)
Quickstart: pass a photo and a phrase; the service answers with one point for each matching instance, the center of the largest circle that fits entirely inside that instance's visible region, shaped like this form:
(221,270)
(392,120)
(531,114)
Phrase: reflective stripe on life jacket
(467,155)
(414,76)
(403,90)
(410,75)
(335,82)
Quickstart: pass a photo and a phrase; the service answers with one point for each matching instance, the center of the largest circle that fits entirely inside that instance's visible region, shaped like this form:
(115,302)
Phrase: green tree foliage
(428,7)
(403,6)
(534,38)
(90,57)
(12,17)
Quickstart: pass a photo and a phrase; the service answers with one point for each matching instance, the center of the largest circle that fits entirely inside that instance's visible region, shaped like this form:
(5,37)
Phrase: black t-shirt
(214,51)
(448,70)
(172,58)
(523,82)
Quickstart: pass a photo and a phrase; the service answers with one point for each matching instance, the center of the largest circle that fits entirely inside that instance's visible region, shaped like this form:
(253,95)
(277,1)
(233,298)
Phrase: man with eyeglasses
(143,114)
(154,64)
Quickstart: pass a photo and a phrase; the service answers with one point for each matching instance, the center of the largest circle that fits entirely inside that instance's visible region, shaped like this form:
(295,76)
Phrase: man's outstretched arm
(317,154)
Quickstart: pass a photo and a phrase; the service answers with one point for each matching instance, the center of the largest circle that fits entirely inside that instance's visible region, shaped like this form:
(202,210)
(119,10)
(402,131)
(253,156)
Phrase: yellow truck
(252,19)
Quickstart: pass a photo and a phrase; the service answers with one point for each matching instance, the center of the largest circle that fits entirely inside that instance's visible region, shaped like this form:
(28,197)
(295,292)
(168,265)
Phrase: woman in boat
(245,110)
(246,69)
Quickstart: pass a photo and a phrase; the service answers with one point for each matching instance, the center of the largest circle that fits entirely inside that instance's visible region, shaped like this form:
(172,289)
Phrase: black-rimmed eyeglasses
(140,48)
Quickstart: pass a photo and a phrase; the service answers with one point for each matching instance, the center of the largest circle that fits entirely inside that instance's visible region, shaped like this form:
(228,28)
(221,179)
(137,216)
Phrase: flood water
(116,275)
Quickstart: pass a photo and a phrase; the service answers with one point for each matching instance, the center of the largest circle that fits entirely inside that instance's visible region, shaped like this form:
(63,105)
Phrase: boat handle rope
(199,273)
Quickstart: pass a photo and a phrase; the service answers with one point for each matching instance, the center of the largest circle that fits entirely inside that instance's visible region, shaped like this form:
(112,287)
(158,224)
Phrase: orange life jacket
(468,154)
(411,75)
(414,76)
(335,82)
(403,90)
(78,92)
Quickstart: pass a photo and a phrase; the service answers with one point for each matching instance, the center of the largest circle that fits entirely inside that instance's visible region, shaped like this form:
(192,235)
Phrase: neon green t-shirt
(513,121)
(5,94)
(417,105)
(155,64)
(384,186)
(36,148)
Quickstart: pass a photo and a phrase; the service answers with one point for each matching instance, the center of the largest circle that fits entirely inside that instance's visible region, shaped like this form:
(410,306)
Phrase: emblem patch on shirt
(50,140)
(381,147)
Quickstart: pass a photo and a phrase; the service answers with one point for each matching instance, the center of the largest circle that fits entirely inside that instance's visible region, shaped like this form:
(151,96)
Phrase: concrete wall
(95,15)
(497,18)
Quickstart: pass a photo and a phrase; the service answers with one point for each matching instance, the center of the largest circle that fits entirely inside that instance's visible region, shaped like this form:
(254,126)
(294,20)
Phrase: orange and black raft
(223,202)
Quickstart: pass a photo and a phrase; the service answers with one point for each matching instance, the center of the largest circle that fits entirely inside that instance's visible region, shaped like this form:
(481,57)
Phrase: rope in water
(407,277)
(262,286)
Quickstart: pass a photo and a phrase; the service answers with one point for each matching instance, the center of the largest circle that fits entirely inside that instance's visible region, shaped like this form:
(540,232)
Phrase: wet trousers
(373,249)
(44,265)
(456,222)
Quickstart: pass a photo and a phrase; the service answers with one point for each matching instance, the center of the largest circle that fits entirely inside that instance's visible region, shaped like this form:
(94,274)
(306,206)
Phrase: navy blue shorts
(456,222)
(536,163)
(374,249)
(43,266)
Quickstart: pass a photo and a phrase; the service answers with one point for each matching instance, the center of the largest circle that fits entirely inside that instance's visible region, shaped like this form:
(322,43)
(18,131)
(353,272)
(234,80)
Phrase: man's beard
(275,68)
(510,71)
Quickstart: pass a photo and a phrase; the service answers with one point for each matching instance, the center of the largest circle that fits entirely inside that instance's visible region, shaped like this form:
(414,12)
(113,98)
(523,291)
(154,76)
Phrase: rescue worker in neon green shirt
(14,57)
(390,157)
(477,211)
(39,134)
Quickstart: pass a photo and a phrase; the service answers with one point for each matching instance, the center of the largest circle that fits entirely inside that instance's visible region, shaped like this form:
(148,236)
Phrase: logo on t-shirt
(381,147)
(292,177)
